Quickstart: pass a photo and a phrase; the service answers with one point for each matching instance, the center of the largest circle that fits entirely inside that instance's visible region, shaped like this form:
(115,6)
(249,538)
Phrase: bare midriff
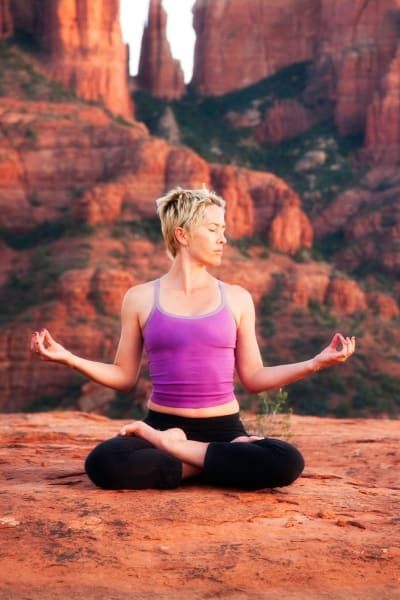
(227,408)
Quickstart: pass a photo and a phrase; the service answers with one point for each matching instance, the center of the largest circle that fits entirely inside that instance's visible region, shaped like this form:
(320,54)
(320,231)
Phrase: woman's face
(206,239)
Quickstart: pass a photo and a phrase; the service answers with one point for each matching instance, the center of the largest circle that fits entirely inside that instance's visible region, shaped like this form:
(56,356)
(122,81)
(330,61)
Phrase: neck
(186,276)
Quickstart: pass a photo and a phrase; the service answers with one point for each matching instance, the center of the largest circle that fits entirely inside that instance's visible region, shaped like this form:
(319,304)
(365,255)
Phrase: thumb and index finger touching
(339,343)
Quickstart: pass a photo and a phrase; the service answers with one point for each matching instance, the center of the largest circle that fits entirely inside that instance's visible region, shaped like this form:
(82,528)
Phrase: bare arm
(257,378)
(123,373)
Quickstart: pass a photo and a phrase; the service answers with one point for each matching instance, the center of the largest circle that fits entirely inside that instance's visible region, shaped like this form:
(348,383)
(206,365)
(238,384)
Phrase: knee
(291,467)
(100,466)
(94,467)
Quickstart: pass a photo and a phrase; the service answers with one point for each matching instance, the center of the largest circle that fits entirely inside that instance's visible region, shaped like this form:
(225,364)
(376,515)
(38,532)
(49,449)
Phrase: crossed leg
(174,441)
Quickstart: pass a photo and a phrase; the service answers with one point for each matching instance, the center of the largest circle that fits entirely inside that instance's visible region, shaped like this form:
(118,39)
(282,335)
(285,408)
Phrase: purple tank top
(191,359)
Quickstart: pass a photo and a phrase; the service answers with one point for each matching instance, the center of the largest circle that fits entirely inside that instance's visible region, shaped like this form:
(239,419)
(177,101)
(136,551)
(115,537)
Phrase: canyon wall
(159,73)
(352,46)
(6,22)
(80,44)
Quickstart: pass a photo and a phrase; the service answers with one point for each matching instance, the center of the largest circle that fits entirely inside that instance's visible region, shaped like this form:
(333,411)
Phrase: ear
(181,235)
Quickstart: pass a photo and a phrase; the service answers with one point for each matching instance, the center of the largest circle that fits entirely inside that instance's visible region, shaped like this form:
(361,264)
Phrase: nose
(222,239)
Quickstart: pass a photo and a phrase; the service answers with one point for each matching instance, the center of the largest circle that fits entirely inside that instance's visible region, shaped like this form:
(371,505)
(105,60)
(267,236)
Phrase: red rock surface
(261,203)
(284,120)
(383,121)
(51,152)
(333,534)
(344,294)
(239,43)
(159,73)
(352,46)
(6,22)
(67,31)
(367,219)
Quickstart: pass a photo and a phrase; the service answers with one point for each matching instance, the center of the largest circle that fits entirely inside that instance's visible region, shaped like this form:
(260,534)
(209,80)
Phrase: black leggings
(130,462)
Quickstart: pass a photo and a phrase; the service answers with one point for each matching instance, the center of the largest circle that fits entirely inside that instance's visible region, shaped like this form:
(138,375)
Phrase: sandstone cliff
(159,73)
(66,31)
(332,534)
(77,191)
(6,22)
(351,46)
(382,131)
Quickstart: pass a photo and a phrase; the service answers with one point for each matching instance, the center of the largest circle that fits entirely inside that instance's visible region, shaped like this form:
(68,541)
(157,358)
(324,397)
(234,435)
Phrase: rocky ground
(334,534)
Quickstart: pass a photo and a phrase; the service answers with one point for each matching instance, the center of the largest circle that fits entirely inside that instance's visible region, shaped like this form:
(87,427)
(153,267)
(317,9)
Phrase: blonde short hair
(183,208)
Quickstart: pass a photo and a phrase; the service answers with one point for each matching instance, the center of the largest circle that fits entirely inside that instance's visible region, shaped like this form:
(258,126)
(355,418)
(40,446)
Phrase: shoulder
(139,292)
(238,294)
(139,298)
(239,301)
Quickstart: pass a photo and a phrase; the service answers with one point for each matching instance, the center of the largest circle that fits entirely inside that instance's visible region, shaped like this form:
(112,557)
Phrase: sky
(180,32)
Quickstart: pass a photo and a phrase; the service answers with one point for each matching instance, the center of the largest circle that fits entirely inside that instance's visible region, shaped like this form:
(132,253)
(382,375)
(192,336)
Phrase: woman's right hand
(47,348)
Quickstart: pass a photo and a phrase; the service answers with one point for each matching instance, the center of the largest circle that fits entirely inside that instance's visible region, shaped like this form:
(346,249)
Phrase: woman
(196,330)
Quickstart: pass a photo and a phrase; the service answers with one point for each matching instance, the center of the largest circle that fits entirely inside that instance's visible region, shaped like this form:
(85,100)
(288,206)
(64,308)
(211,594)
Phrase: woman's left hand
(339,350)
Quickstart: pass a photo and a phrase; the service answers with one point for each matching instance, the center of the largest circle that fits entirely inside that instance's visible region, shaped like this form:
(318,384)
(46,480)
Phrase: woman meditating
(196,330)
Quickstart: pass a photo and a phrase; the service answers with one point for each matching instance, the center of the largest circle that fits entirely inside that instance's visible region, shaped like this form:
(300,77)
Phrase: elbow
(125,386)
(252,389)
(251,386)
(254,384)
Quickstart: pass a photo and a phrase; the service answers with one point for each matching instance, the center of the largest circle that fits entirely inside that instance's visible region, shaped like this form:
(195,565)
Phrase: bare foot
(159,439)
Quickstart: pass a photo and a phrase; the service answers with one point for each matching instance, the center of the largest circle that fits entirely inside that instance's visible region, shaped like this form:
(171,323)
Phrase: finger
(39,337)
(123,430)
(347,347)
(350,345)
(40,347)
(36,341)
(36,346)
(47,337)
(338,343)
(335,340)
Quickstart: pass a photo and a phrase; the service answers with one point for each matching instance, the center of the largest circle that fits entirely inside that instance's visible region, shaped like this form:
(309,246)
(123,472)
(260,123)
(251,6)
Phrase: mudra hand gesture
(339,350)
(47,348)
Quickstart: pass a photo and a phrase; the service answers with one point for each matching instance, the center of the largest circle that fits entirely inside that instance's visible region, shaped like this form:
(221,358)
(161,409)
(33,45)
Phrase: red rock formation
(241,43)
(340,212)
(284,120)
(24,15)
(94,290)
(155,168)
(159,73)
(291,229)
(382,138)
(262,203)
(52,153)
(365,222)
(256,202)
(383,304)
(108,287)
(73,291)
(308,283)
(6,21)
(82,47)
(345,296)
(353,35)
(233,185)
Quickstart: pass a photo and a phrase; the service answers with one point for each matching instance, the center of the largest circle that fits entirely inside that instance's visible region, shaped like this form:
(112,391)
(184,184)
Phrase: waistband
(203,429)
